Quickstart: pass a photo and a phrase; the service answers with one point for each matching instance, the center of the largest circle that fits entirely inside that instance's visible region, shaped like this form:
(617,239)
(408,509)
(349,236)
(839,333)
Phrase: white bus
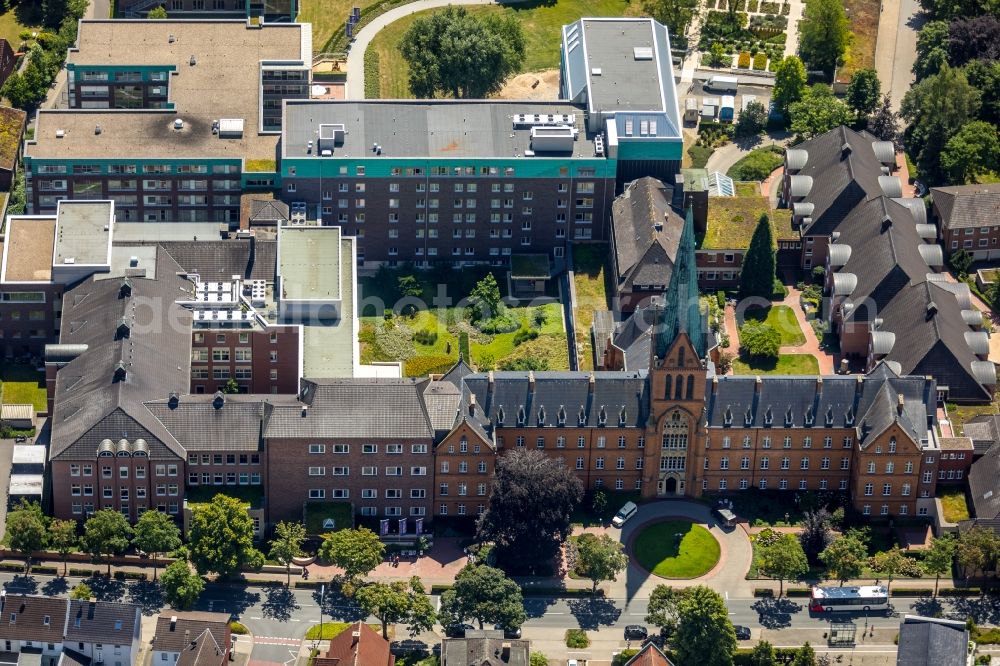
(865,598)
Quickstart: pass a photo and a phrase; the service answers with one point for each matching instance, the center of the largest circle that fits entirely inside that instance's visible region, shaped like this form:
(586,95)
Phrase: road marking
(276,640)
(555,613)
(294,619)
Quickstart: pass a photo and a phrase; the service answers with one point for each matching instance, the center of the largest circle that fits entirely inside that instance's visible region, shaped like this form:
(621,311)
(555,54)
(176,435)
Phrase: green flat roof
(530,266)
(731,221)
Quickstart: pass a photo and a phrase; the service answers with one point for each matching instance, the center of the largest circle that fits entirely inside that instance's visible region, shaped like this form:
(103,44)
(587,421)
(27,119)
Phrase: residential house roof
(984,431)
(484,648)
(32,618)
(175,631)
(983,487)
(102,622)
(357,645)
(646,234)
(964,206)
(925,641)
(204,649)
(138,347)
(650,655)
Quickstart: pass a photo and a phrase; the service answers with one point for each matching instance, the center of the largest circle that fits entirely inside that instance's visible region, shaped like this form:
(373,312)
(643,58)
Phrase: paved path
(356,56)
(812,344)
(795,9)
(896,46)
(726,156)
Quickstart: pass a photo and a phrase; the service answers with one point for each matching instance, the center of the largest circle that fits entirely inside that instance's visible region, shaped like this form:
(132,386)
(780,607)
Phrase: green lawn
(334,629)
(953,505)
(592,281)
(757,164)
(23,385)
(960,414)
(18,18)
(787,364)
(660,552)
(541,22)
(780,318)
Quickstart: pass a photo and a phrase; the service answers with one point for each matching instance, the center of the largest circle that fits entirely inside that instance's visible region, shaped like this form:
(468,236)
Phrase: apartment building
(966,217)
(267,11)
(172,120)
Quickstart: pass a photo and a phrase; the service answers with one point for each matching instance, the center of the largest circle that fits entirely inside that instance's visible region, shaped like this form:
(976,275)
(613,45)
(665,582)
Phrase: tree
(884,123)
(789,83)
(528,516)
(719,55)
(705,636)
(599,558)
(844,557)
(961,261)
(181,585)
(973,38)
(805,656)
(763,655)
(26,530)
(155,533)
(892,564)
(221,537)
(974,151)
(760,341)
(675,14)
(815,534)
(785,560)
(397,602)
(932,49)
(985,78)
(485,299)
(757,273)
(538,659)
(157,13)
(662,609)
(230,387)
(938,559)
(409,286)
(977,549)
(752,120)
(81,592)
(936,108)
(287,544)
(824,34)
(62,538)
(818,112)
(599,502)
(107,532)
(452,52)
(356,551)
(863,92)
(486,595)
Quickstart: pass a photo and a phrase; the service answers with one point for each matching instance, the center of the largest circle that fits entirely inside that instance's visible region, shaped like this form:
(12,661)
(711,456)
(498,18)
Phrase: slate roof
(869,404)
(370,649)
(984,431)
(268,210)
(646,233)
(443,400)
(935,344)
(203,650)
(220,260)
(983,486)
(964,206)
(29,613)
(102,622)
(927,641)
(634,336)
(562,393)
(379,408)
(484,648)
(100,393)
(175,637)
(207,422)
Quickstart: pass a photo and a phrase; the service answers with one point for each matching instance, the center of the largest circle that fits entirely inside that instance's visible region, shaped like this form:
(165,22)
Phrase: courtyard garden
(757,164)
(427,334)
(782,319)
(540,21)
(953,504)
(22,384)
(676,549)
(592,282)
(746,37)
(785,364)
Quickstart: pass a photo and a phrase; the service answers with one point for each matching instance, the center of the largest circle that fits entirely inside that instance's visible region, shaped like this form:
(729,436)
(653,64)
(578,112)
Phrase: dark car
(457,630)
(508,632)
(742,633)
(635,632)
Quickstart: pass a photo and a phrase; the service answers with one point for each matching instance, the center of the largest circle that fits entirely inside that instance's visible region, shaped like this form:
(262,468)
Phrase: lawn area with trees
(758,163)
(786,364)
(660,550)
(541,23)
(782,319)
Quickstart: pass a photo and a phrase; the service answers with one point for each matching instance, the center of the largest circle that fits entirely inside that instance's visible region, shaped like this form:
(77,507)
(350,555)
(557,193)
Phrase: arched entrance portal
(670,486)
(673,454)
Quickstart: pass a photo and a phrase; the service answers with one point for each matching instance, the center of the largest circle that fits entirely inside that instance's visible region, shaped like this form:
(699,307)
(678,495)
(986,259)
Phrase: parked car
(509,633)
(457,630)
(635,632)
(624,513)
(742,633)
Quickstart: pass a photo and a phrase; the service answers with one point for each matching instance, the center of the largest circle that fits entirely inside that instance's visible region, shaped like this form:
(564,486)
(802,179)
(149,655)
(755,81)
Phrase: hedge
(577,638)
(83,573)
(798,592)
(308,585)
(960,592)
(372,75)
(130,575)
(263,582)
(742,656)
(911,592)
(763,592)
(535,591)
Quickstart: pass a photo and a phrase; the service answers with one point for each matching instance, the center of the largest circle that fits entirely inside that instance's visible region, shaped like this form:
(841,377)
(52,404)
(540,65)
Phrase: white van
(726,84)
(624,513)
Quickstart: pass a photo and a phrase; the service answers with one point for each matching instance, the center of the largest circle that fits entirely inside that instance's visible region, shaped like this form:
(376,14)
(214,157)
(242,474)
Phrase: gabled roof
(99,394)
(984,431)
(174,636)
(357,645)
(647,232)
(485,648)
(925,641)
(268,210)
(102,622)
(634,336)
(355,408)
(204,649)
(32,618)
(983,486)
(963,206)
(220,260)
(206,422)
(650,655)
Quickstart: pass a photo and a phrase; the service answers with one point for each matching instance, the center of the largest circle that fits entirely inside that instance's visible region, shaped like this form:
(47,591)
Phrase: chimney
(355,637)
(859,386)
(472,404)
(715,384)
(305,410)
(531,381)
(591,384)
(757,385)
(253,248)
(187,636)
(819,384)
(489,380)
(173,622)
(899,404)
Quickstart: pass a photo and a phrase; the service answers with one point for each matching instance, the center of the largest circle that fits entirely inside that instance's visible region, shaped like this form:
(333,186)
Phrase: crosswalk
(276,640)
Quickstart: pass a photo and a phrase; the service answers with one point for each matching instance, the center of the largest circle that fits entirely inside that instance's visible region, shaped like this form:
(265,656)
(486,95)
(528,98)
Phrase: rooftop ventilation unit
(178,124)
(60,133)
(171,39)
(193,61)
(330,136)
(97,129)
(642,52)
(535,119)
(231,128)
(595,71)
(553,139)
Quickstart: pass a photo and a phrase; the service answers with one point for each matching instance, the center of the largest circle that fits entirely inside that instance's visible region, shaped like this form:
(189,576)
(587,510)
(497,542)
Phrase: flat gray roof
(224,83)
(330,349)
(309,263)
(625,53)
(432,129)
(83,233)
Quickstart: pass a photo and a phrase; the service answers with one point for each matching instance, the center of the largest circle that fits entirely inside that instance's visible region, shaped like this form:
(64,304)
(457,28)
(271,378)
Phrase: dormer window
(809,417)
(768,416)
(602,416)
(829,416)
(500,416)
(850,416)
(561,416)
(622,417)
(727,418)
(748,417)
(520,416)
(13,618)
(788,417)
(46,620)
(541,416)
(583,416)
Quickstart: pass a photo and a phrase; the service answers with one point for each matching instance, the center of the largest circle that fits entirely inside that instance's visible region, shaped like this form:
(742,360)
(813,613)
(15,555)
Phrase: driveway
(728,578)
(896,48)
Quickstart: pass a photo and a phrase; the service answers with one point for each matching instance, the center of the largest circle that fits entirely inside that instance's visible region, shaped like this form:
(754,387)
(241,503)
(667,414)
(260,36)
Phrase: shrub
(763,592)
(577,638)
(760,340)
(623,657)
(744,60)
(798,592)
(720,298)
(427,336)
(463,345)
(760,61)
(959,592)
(238,629)
(524,334)
(757,164)
(372,74)
(911,592)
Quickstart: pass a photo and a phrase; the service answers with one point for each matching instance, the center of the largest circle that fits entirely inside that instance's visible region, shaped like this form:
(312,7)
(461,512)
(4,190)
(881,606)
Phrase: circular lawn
(676,549)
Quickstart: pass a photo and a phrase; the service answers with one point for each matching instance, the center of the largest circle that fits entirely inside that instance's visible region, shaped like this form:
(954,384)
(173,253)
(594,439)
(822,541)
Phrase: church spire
(682,310)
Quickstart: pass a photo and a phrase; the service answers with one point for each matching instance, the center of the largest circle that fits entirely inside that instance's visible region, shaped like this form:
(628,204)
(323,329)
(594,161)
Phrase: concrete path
(795,9)
(896,46)
(726,156)
(356,54)
(729,575)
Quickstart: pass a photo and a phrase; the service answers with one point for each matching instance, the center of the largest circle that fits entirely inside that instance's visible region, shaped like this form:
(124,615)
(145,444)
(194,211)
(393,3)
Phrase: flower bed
(760,61)
(744,60)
